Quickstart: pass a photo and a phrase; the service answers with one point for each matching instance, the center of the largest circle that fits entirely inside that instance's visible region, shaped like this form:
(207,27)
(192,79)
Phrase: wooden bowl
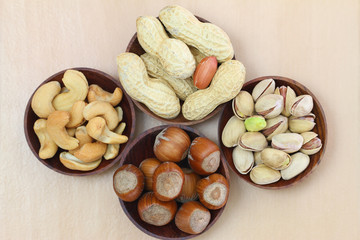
(320,128)
(108,83)
(142,148)
(135,47)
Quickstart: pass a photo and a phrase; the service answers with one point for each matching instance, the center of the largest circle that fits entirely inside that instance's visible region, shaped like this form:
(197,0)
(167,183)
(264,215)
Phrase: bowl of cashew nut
(79,121)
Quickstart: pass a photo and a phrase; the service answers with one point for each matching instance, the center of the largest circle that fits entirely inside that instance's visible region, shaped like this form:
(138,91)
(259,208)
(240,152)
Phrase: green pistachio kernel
(255,123)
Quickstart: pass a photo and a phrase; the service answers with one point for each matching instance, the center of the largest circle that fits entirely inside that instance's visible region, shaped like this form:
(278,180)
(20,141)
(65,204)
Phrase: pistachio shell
(288,94)
(275,126)
(312,144)
(263,88)
(301,105)
(255,123)
(243,105)
(253,141)
(243,160)
(276,159)
(232,131)
(257,158)
(298,164)
(302,124)
(262,174)
(287,142)
(270,105)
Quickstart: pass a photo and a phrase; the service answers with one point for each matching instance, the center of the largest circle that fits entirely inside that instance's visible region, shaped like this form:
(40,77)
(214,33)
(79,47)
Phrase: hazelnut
(213,191)
(204,156)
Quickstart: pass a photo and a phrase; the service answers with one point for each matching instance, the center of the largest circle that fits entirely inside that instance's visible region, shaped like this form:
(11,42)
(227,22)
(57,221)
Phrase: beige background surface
(315,42)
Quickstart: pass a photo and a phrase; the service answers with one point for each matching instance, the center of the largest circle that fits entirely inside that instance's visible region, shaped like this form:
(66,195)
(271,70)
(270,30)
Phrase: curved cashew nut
(71,162)
(82,136)
(120,113)
(76,116)
(90,152)
(103,109)
(113,149)
(48,147)
(41,102)
(56,129)
(77,85)
(71,131)
(98,130)
(96,93)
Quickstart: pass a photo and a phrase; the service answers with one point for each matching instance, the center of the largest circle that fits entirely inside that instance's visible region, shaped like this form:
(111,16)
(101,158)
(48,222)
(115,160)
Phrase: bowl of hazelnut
(172,183)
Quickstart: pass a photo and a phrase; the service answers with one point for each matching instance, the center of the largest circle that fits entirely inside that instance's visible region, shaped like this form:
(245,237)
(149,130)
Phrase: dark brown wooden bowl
(320,128)
(108,83)
(142,148)
(135,47)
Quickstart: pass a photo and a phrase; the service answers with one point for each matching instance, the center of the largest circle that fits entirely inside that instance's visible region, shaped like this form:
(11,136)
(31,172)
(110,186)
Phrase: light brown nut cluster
(67,111)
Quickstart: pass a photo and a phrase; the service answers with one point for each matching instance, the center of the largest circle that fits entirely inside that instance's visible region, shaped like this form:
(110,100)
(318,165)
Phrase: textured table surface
(314,42)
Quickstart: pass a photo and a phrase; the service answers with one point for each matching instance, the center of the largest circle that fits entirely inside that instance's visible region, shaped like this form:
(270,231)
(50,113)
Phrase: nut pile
(273,115)
(89,130)
(162,76)
(160,182)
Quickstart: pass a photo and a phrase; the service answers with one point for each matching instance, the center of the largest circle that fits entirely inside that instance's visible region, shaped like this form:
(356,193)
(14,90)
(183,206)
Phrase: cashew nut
(71,131)
(48,148)
(90,152)
(120,113)
(98,130)
(76,116)
(56,129)
(113,149)
(77,85)
(71,162)
(41,102)
(96,93)
(103,109)
(82,136)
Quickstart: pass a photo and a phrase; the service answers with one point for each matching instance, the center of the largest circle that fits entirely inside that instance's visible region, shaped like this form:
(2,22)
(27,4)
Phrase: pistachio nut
(288,94)
(276,159)
(257,158)
(287,142)
(243,160)
(253,141)
(301,105)
(263,88)
(270,105)
(312,144)
(232,131)
(243,105)
(275,126)
(302,124)
(255,123)
(262,174)
(298,164)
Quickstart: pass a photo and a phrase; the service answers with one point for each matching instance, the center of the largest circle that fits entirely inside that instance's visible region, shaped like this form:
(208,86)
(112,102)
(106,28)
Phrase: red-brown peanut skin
(200,148)
(171,145)
(205,182)
(182,218)
(149,199)
(148,167)
(136,192)
(163,168)
(205,72)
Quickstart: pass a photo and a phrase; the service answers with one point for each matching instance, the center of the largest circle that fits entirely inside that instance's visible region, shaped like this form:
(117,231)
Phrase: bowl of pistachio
(273,133)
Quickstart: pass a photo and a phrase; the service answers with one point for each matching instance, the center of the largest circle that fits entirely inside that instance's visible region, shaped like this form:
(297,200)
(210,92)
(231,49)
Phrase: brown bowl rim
(147,111)
(140,137)
(74,172)
(324,141)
